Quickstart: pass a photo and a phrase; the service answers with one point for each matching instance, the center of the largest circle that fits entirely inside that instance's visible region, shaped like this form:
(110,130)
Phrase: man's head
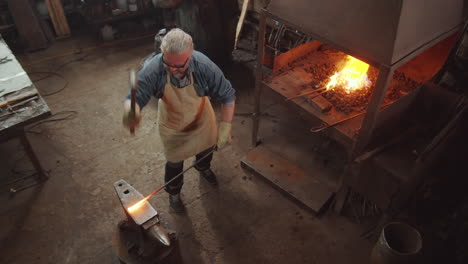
(177,48)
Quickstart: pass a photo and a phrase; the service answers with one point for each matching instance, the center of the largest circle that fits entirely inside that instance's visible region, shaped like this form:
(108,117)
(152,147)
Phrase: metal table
(20,107)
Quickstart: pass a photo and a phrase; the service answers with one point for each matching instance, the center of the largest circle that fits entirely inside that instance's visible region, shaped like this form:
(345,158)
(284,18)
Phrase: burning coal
(351,77)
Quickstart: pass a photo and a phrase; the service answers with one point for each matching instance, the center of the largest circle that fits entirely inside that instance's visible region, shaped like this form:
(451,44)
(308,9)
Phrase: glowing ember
(352,77)
(136,206)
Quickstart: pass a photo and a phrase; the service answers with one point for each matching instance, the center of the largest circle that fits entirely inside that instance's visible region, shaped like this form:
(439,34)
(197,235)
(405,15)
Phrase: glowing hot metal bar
(145,218)
(139,204)
(136,206)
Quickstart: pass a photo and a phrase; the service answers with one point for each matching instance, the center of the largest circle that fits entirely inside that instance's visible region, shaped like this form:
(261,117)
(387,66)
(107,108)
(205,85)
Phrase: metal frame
(377,96)
(371,114)
(33,157)
(259,78)
(17,130)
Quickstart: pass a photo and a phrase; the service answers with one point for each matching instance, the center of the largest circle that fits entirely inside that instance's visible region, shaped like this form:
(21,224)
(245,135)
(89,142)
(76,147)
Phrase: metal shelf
(126,15)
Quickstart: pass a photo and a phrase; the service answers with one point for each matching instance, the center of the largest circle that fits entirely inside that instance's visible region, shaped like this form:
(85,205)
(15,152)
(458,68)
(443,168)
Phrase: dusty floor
(71,217)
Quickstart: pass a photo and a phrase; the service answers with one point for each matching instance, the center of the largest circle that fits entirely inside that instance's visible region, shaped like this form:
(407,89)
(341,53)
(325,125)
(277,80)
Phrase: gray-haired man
(183,79)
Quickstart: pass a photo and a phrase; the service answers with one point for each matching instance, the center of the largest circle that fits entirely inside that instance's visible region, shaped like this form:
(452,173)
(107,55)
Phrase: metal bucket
(399,243)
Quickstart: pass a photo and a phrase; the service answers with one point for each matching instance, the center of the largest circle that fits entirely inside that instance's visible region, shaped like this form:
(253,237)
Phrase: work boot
(176,203)
(209,176)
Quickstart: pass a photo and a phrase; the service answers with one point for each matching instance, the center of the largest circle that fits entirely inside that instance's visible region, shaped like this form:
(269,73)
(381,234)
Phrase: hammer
(133,86)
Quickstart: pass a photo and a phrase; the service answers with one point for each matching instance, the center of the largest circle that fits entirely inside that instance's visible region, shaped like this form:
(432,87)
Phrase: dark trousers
(173,169)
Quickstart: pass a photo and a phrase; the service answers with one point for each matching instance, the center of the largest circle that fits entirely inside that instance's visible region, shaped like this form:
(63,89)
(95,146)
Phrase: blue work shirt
(208,80)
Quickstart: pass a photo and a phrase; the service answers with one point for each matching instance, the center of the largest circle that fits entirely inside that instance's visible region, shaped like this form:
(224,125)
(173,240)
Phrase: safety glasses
(175,66)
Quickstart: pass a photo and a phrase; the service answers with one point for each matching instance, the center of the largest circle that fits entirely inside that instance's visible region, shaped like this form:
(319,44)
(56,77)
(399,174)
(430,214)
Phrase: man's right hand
(131,120)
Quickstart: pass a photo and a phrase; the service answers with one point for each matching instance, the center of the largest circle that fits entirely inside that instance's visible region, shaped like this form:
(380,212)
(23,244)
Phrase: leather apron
(186,122)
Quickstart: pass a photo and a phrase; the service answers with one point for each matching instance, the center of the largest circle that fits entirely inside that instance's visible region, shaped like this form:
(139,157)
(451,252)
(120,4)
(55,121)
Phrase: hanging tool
(140,203)
(133,86)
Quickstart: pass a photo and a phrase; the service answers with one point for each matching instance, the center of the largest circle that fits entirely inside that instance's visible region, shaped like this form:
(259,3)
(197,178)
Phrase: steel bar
(15,101)
(23,102)
(386,145)
(306,93)
(316,95)
(445,131)
(258,78)
(372,111)
(12,111)
(325,125)
(24,187)
(178,175)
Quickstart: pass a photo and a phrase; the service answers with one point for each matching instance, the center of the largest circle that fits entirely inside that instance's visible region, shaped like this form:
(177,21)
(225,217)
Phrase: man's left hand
(224,135)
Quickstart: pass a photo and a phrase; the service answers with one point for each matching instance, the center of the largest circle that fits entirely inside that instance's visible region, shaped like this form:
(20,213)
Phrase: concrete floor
(71,217)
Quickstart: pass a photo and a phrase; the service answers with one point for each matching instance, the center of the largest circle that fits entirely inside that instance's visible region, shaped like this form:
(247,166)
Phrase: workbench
(20,105)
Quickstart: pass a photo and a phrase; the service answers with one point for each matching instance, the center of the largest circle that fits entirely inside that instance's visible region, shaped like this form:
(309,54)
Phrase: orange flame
(137,206)
(352,77)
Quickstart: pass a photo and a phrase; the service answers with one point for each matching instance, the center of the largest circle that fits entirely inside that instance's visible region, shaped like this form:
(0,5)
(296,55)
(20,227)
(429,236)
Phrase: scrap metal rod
(173,179)
(325,125)
(16,101)
(12,111)
(320,90)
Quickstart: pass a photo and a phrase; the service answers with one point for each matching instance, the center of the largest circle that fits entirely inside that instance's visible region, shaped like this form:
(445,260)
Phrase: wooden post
(240,23)
(28,25)
(259,78)
(58,18)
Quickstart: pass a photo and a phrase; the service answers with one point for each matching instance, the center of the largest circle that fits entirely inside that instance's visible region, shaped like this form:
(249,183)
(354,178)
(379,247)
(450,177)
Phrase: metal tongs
(316,93)
(325,125)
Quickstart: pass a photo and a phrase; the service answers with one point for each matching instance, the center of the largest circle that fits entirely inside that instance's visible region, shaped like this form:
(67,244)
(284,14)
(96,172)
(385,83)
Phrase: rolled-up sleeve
(219,87)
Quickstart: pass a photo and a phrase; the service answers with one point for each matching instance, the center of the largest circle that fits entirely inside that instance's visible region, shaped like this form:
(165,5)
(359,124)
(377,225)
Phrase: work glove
(129,120)
(224,134)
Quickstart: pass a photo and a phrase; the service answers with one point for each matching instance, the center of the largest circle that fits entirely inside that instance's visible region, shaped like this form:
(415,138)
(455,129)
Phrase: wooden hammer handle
(133,85)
